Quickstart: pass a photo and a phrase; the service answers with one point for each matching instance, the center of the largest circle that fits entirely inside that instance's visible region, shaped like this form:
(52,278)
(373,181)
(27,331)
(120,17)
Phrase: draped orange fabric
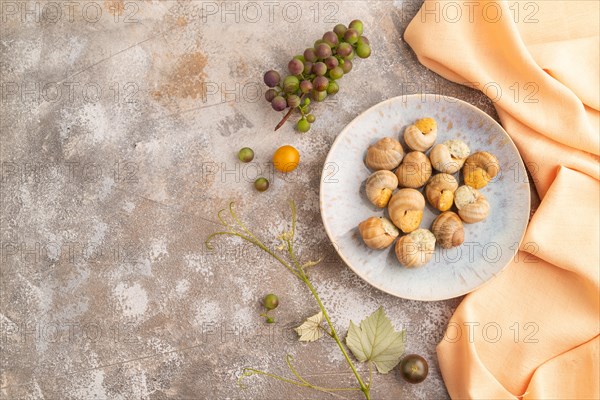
(532,332)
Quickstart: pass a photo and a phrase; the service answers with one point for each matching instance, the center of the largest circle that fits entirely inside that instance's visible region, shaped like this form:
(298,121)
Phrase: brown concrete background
(109,192)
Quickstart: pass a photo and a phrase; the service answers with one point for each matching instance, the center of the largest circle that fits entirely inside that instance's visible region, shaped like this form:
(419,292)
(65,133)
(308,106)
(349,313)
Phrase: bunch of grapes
(314,74)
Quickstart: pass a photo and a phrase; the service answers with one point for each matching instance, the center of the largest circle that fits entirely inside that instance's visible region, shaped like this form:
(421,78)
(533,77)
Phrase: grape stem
(300,272)
(284,119)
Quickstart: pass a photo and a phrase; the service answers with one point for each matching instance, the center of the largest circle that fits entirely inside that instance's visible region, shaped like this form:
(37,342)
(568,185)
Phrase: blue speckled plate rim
(427,98)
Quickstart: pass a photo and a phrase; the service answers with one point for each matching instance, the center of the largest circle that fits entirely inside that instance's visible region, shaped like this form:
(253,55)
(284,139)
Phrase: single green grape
(357,25)
(271,301)
(291,84)
(246,154)
(336,73)
(319,95)
(293,101)
(363,40)
(351,36)
(303,125)
(339,30)
(261,184)
(332,88)
(299,57)
(363,50)
(310,118)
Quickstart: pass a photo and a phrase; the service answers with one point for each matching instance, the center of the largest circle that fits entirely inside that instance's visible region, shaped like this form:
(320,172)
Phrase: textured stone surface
(109,192)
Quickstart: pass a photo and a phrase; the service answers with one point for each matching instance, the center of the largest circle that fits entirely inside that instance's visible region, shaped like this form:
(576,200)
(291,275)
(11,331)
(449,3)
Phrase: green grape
(319,95)
(339,30)
(346,66)
(357,25)
(320,83)
(351,36)
(309,55)
(363,50)
(350,56)
(299,57)
(319,68)
(271,301)
(310,118)
(344,49)
(306,101)
(291,84)
(332,88)
(336,73)
(307,67)
(246,154)
(303,125)
(261,184)
(363,40)
(293,101)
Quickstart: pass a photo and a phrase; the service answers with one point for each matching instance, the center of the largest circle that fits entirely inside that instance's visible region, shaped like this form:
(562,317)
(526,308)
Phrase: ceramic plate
(489,245)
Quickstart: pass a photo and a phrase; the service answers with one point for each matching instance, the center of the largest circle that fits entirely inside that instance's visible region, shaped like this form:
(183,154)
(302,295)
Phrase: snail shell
(440,191)
(449,156)
(386,153)
(415,249)
(480,168)
(379,187)
(421,135)
(414,171)
(449,230)
(472,205)
(378,233)
(406,209)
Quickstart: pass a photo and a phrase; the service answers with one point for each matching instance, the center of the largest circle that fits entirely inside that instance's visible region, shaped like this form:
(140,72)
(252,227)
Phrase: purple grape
(319,68)
(330,38)
(309,55)
(346,66)
(320,83)
(323,51)
(331,62)
(306,86)
(279,103)
(295,67)
(344,49)
(272,78)
(270,95)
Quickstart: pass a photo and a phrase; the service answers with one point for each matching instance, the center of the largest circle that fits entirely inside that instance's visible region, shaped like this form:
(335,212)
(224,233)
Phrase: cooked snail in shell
(414,171)
(386,153)
(440,191)
(448,230)
(406,209)
(378,233)
(472,205)
(480,168)
(379,187)
(449,156)
(421,135)
(415,249)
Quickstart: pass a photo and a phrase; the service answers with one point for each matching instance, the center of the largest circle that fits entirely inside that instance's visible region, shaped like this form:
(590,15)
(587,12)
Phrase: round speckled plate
(489,245)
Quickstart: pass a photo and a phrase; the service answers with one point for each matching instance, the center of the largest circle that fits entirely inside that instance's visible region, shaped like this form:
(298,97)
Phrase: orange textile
(532,332)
